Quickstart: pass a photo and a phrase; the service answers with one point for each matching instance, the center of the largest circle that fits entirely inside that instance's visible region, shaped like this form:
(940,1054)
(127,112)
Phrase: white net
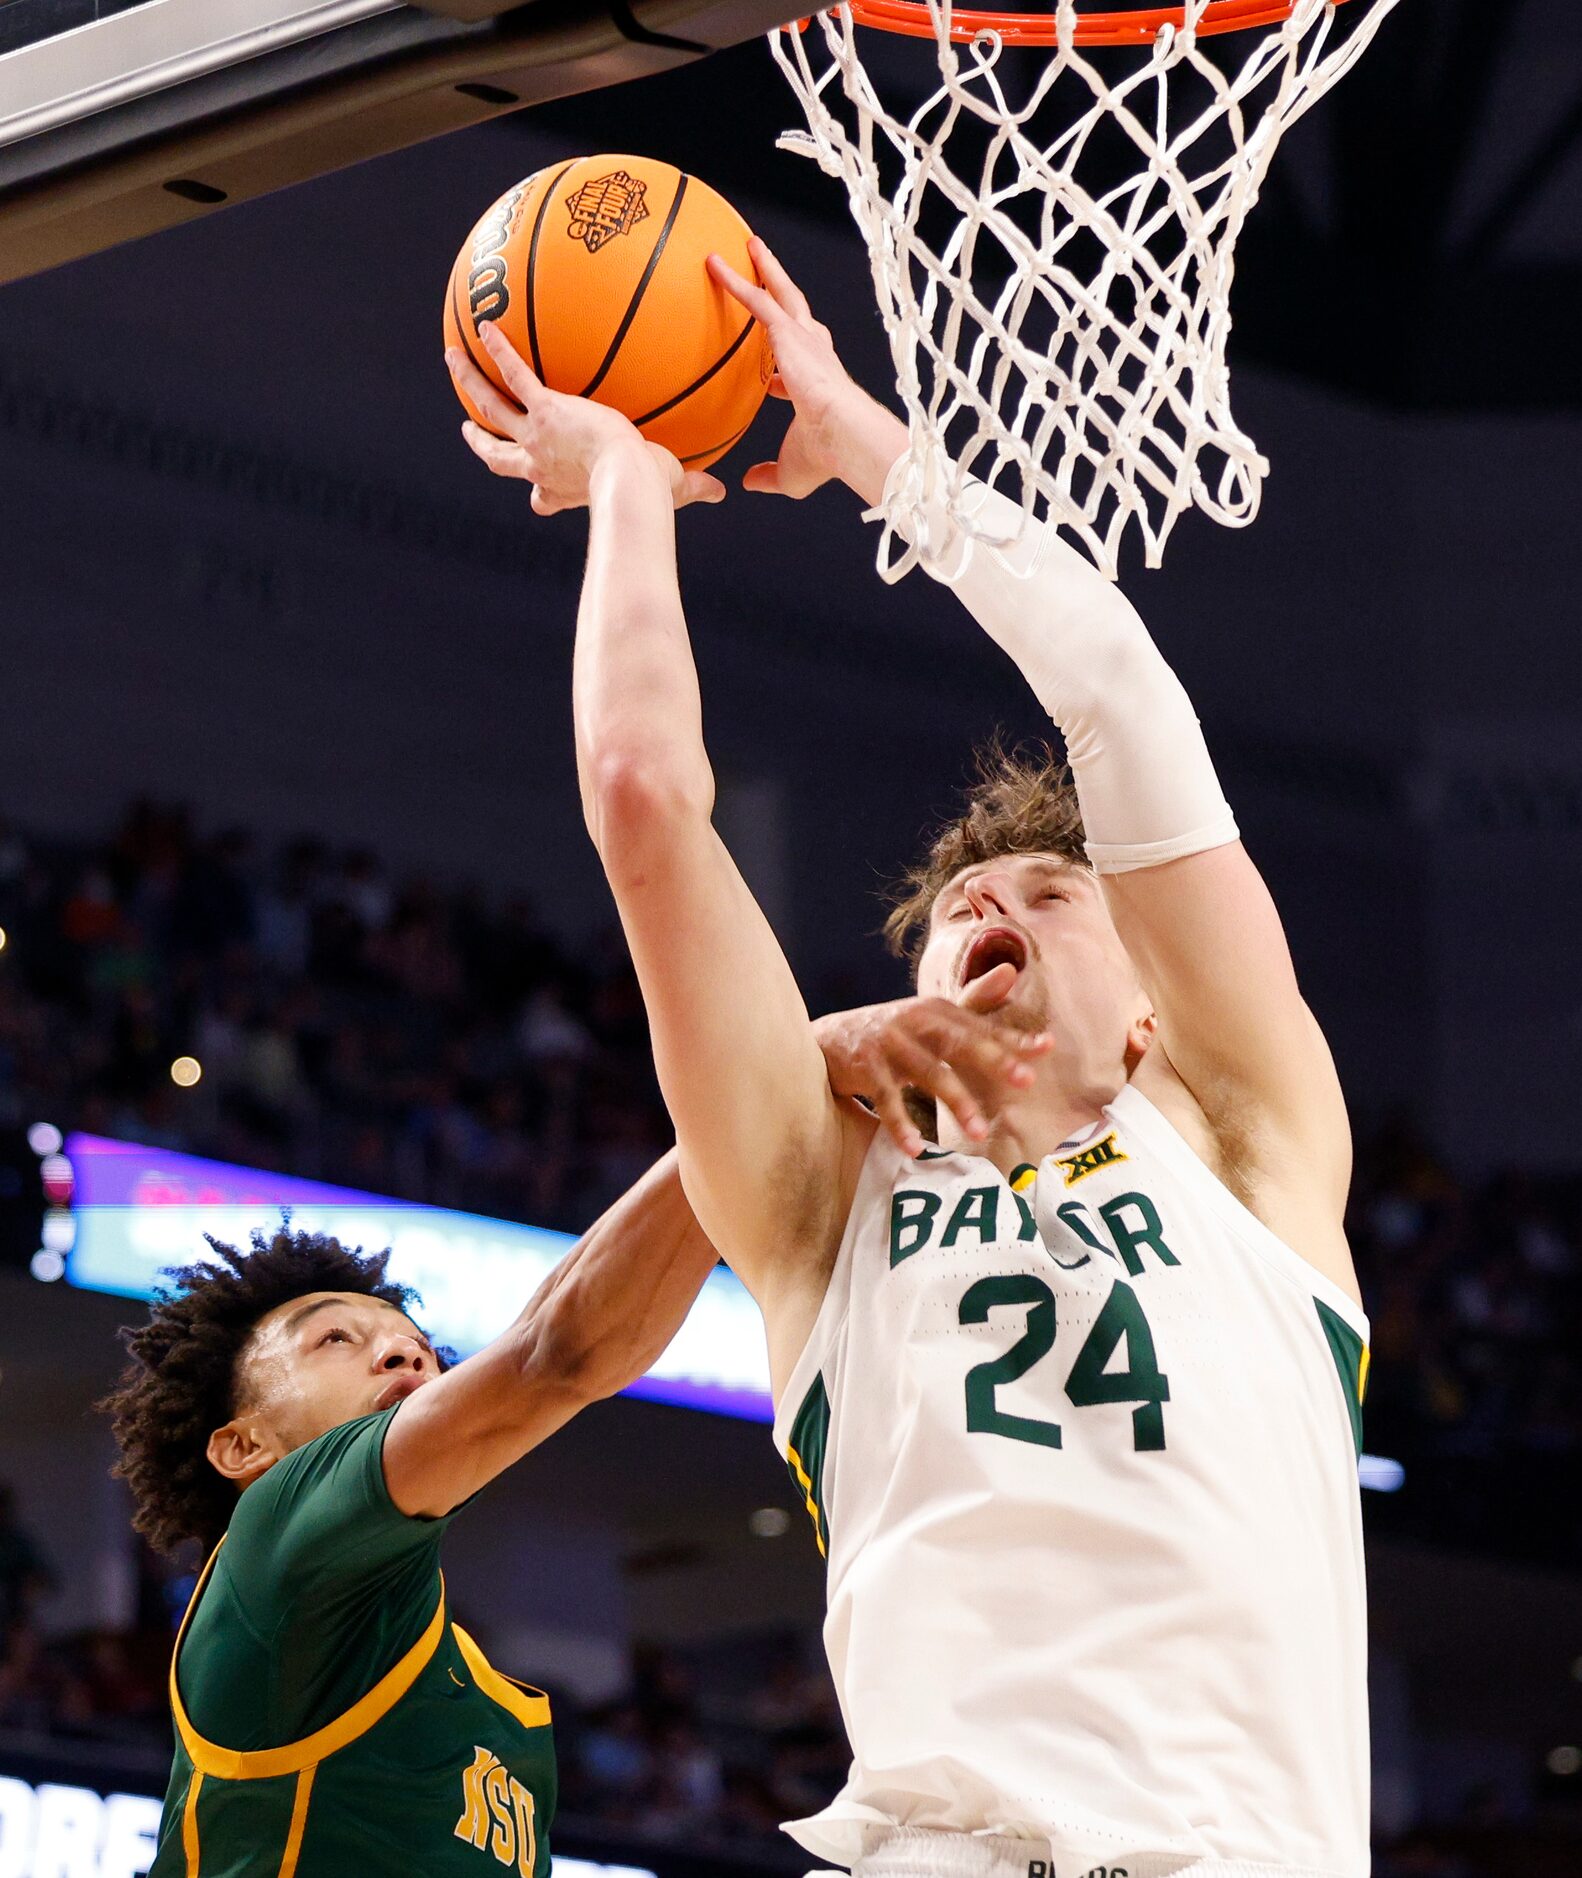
(1052,235)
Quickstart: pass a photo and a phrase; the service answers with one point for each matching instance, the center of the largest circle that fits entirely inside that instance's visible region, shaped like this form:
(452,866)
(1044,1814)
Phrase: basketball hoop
(1131,26)
(1058,311)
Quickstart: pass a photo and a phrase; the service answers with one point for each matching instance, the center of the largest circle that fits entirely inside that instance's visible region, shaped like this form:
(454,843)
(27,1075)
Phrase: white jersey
(1081,1449)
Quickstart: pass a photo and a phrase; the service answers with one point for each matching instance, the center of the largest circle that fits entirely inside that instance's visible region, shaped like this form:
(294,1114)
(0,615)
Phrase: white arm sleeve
(1143,773)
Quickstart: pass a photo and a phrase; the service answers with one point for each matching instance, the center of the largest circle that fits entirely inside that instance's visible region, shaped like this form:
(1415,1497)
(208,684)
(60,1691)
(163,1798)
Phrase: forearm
(1144,777)
(635,697)
(872,439)
(597,1323)
(613,1306)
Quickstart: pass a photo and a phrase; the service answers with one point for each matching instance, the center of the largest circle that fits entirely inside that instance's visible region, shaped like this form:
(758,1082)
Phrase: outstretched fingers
(965,1058)
(916,1066)
(698,486)
(763,479)
(994,1067)
(777,280)
(519,376)
(492,405)
(889,1104)
(762,305)
(496,453)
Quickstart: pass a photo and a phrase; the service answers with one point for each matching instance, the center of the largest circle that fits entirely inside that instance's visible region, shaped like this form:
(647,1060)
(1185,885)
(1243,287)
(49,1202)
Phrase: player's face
(1047,920)
(325,1359)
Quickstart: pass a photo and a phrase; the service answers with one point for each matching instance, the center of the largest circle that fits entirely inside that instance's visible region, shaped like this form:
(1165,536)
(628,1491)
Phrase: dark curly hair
(180,1384)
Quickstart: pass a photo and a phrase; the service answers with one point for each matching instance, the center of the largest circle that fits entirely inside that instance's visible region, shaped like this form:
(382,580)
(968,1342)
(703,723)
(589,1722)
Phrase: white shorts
(916,1852)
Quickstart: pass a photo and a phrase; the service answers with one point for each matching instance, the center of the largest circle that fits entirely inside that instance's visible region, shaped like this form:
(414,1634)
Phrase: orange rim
(1133,27)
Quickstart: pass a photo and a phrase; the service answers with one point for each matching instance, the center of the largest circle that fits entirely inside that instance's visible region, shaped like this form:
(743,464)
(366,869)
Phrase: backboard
(122,117)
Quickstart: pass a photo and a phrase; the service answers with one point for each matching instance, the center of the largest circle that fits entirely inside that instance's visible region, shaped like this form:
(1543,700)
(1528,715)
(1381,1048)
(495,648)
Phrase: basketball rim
(1116,26)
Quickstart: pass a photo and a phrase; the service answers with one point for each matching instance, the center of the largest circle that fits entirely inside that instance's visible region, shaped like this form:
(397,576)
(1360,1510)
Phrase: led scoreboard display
(135,1211)
(51,1830)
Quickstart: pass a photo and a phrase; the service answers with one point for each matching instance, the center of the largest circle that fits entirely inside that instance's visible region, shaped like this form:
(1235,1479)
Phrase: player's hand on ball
(808,373)
(551,439)
(958,1054)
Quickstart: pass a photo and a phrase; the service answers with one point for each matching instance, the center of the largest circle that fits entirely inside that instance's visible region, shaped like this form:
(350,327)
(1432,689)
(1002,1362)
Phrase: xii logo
(498,1814)
(1077,1167)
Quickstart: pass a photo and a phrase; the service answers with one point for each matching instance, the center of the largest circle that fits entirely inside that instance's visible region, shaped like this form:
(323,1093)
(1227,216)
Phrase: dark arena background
(293,879)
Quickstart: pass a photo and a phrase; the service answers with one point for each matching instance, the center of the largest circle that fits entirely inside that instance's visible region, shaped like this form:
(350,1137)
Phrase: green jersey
(330,1718)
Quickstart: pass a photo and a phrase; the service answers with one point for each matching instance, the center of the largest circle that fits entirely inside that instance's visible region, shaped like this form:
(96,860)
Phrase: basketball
(595,270)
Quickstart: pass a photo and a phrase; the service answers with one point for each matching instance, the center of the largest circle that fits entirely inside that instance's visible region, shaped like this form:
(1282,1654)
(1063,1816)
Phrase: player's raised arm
(1191,908)
(767,1153)
(601,1319)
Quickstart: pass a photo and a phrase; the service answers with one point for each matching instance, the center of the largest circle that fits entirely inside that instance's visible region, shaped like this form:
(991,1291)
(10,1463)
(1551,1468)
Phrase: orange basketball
(594,270)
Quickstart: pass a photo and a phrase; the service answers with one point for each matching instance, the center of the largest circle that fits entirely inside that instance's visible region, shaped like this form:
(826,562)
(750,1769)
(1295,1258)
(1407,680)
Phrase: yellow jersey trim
(529,1706)
(296,1757)
(806,1484)
(299,1822)
(189,1825)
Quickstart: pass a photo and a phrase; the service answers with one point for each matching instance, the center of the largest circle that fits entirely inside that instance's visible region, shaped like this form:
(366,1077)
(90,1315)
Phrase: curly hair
(1018,803)
(181,1382)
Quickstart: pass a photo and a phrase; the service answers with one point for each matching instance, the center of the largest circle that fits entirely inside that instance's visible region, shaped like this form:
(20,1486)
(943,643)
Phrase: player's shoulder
(1230,1151)
(343,1466)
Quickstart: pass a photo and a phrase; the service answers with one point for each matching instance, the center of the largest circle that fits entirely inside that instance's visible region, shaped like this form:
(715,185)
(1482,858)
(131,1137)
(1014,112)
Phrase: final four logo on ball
(609,206)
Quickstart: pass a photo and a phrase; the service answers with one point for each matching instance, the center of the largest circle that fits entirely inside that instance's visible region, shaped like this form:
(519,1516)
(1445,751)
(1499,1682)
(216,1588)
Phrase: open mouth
(998,946)
(397,1391)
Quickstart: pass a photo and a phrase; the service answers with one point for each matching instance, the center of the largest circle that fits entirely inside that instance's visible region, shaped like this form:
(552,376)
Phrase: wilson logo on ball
(609,206)
(488,293)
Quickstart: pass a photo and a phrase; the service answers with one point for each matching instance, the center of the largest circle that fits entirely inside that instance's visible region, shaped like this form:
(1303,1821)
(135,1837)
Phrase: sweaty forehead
(315,1306)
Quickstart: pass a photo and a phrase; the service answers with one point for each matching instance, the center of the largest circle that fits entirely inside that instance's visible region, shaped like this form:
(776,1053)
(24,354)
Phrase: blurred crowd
(709,1752)
(433,1046)
(1474,1293)
(443,1046)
